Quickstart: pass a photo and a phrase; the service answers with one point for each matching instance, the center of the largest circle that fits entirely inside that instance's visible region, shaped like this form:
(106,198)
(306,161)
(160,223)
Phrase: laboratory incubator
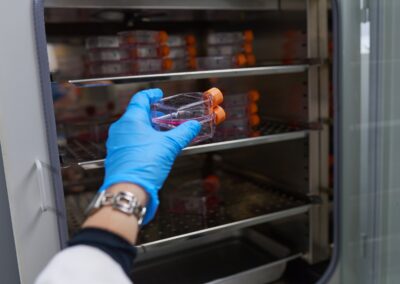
(286,181)
(259,162)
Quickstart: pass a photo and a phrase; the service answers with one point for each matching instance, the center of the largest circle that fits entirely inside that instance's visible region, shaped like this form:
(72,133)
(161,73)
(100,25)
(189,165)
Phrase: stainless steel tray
(244,256)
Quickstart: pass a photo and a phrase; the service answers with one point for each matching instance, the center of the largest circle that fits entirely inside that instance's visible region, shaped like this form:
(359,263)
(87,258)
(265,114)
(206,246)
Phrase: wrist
(136,190)
(115,221)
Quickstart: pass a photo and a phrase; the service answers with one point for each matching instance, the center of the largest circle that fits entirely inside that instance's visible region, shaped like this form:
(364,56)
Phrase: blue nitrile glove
(139,154)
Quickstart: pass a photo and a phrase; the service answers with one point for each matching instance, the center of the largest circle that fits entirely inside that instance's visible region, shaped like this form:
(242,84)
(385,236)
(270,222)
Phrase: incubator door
(369,141)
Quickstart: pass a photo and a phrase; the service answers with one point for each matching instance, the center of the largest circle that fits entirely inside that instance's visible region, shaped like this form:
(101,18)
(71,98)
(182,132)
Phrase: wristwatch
(123,201)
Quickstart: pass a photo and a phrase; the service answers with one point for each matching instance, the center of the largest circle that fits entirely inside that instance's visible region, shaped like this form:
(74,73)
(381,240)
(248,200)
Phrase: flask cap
(219,114)
(163,36)
(216,95)
(248,35)
(254,120)
(253,95)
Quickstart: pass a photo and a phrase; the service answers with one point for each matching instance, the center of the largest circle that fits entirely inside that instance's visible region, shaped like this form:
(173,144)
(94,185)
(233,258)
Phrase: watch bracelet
(123,201)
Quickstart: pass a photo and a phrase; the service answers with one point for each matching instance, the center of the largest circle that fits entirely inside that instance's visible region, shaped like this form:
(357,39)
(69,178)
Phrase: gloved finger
(139,106)
(185,133)
(144,97)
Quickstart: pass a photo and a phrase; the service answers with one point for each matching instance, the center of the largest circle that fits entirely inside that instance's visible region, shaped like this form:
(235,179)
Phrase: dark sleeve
(115,246)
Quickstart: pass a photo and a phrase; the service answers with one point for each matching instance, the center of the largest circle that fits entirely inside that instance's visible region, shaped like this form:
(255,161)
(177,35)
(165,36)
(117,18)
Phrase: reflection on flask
(142,36)
(215,38)
(225,50)
(218,62)
(204,107)
(126,67)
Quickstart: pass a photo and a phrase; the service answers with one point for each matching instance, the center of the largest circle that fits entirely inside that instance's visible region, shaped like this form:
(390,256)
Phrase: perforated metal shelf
(90,155)
(239,202)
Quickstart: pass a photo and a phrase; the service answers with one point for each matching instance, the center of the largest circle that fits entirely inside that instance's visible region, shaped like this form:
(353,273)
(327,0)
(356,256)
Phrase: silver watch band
(123,201)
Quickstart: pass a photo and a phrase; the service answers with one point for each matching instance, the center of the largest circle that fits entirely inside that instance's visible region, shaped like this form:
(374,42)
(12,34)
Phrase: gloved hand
(139,154)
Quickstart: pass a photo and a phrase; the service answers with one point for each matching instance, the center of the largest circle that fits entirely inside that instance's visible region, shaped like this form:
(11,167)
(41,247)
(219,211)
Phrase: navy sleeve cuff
(115,246)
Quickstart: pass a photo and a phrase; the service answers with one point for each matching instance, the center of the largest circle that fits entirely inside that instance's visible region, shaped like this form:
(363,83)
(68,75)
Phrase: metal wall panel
(8,255)
(317,18)
(23,139)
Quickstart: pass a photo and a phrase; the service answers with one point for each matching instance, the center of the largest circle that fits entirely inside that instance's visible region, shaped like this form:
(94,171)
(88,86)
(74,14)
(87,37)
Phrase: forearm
(103,250)
(115,221)
(113,231)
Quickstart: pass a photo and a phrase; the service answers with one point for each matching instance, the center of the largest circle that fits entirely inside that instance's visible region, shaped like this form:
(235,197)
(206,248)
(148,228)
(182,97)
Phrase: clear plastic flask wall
(172,111)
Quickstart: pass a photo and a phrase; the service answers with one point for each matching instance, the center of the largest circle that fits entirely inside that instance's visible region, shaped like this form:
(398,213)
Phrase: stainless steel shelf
(230,226)
(212,251)
(238,201)
(82,155)
(174,76)
(245,142)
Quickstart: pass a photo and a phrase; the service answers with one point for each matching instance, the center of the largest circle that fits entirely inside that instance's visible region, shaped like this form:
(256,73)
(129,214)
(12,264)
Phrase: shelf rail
(190,75)
(297,210)
(90,156)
